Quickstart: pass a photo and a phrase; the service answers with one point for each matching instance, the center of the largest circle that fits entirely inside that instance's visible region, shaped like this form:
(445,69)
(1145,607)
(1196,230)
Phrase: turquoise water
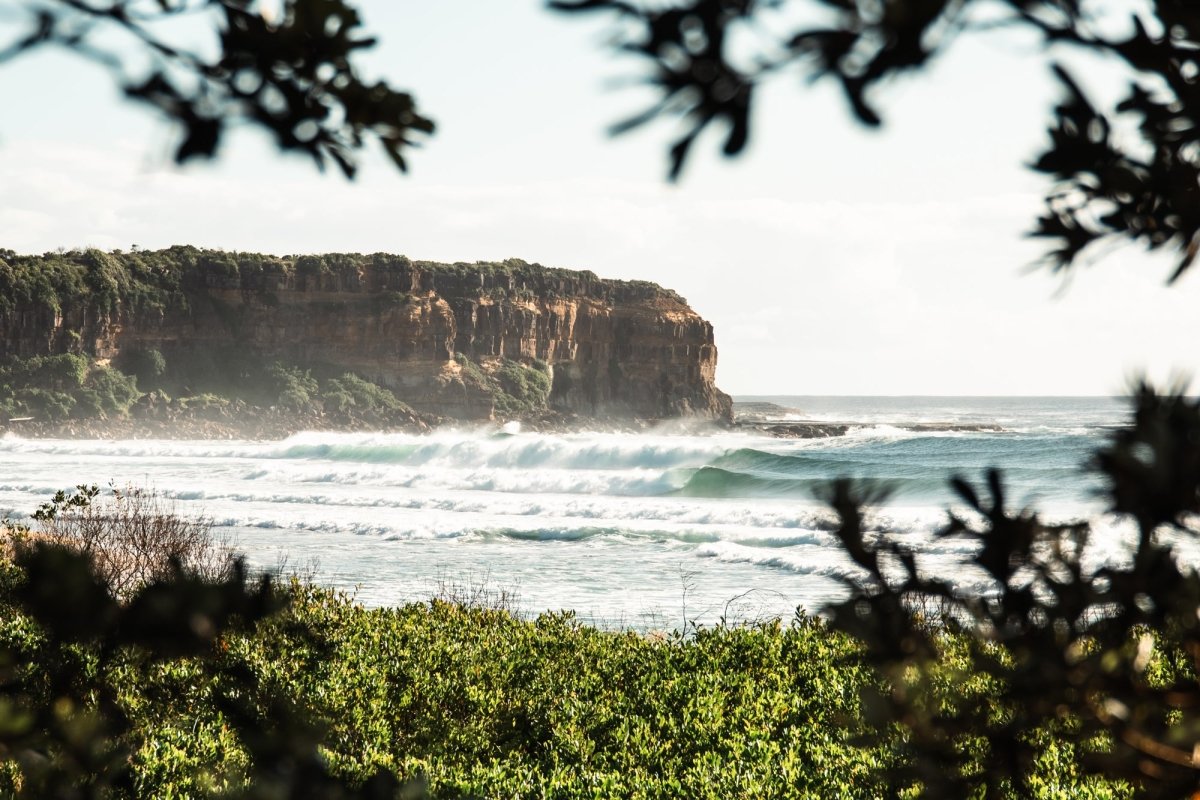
(642,529)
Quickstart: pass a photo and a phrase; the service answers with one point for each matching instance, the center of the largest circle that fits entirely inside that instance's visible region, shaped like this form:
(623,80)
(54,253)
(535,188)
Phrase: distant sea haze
(626,529)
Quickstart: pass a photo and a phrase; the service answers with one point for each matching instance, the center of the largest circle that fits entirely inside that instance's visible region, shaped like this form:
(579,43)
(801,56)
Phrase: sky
(830,259)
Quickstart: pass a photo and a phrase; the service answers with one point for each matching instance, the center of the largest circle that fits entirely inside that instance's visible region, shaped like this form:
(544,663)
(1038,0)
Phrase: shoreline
(256,424)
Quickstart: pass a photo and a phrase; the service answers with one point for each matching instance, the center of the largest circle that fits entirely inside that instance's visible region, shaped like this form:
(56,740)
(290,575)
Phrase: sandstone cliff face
(613,348)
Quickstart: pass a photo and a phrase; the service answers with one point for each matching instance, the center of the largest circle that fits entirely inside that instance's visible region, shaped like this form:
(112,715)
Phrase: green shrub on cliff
(112,389)
(64,373)
(351,393)
(292,388)
(146,364)
(61,386)
(298,390)
(516,388)
(525,387)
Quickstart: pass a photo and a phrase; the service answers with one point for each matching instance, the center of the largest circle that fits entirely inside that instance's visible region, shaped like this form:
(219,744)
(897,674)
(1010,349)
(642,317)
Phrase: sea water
(654,529)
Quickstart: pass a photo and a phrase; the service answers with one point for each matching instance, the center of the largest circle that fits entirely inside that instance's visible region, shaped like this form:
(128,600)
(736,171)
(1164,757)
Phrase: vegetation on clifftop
(146,280)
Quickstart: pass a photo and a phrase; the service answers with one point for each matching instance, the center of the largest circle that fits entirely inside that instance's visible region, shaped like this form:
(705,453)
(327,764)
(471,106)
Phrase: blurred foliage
(291,73)
(708,58)
(70,727)
(1100,647)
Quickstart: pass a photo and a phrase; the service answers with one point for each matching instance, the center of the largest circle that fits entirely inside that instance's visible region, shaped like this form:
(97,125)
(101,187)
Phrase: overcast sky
(830,260)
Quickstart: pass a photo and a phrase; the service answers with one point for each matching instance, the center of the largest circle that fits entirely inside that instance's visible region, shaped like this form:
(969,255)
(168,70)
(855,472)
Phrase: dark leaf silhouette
(1142,189)
(294,77)
(61,722)
(1066,645)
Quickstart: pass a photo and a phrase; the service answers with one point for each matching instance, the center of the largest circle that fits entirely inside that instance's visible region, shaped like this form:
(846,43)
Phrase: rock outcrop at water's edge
(439,336)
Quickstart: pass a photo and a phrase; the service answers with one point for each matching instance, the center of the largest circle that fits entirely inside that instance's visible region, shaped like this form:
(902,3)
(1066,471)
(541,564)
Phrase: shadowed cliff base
(240,421)
(345,336)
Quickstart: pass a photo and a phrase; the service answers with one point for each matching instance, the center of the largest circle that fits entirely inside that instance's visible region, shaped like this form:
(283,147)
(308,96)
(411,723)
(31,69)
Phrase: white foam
(586,518)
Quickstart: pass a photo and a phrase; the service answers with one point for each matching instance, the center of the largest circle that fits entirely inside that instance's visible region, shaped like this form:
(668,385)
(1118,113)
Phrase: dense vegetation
(72,386)
(464,701)
(516,388)
(137,660)
(146,280)
(62,386)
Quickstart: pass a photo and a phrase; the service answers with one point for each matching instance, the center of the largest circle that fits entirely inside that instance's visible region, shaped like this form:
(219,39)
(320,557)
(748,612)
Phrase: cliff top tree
(292,75)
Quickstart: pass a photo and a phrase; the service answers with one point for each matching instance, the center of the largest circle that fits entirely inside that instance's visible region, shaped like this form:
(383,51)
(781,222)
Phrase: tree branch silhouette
(1143,188)
(294,77)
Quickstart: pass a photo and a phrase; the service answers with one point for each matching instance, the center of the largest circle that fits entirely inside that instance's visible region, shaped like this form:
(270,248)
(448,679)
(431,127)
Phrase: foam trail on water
(602,522)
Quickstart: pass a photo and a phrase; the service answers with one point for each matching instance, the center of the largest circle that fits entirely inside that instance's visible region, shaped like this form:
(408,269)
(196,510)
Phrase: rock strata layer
(426,331)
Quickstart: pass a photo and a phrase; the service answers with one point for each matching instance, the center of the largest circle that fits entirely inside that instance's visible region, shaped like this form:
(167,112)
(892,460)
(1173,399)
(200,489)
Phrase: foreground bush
(89,684)
(1105,655)
(171,694)
(486,704)
(132,537)
(197,688)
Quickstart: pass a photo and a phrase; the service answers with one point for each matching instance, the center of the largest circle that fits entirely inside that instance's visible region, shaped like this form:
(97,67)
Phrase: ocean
(649,530)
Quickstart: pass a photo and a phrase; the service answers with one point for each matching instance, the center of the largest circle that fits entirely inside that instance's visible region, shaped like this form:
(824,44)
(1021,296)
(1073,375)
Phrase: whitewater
(643,530)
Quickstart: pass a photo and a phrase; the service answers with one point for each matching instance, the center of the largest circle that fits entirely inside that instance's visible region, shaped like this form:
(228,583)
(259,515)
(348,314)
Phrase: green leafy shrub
(63,373)
(57,387)
(516,388)
(293,388)
(352,393)
(45,403)
(525,387)
(147,365)
(114,390)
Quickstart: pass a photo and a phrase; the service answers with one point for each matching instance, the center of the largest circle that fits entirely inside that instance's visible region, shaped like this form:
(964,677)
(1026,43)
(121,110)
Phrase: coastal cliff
(458,340)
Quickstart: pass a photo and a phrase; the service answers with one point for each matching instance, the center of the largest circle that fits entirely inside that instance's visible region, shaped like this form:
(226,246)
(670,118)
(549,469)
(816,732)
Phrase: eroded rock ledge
(443,337)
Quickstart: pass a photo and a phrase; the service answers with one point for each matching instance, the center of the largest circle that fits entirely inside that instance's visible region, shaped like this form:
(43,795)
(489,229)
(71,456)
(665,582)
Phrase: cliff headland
(378,339)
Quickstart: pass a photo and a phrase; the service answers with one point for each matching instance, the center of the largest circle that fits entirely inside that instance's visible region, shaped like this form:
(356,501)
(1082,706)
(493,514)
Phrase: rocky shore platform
(824,430)
(237,420)
(788,423)
(269,424)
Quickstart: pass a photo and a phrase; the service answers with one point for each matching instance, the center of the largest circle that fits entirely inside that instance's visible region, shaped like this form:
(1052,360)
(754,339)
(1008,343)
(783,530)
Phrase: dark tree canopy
(1142,188)
(293,77)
